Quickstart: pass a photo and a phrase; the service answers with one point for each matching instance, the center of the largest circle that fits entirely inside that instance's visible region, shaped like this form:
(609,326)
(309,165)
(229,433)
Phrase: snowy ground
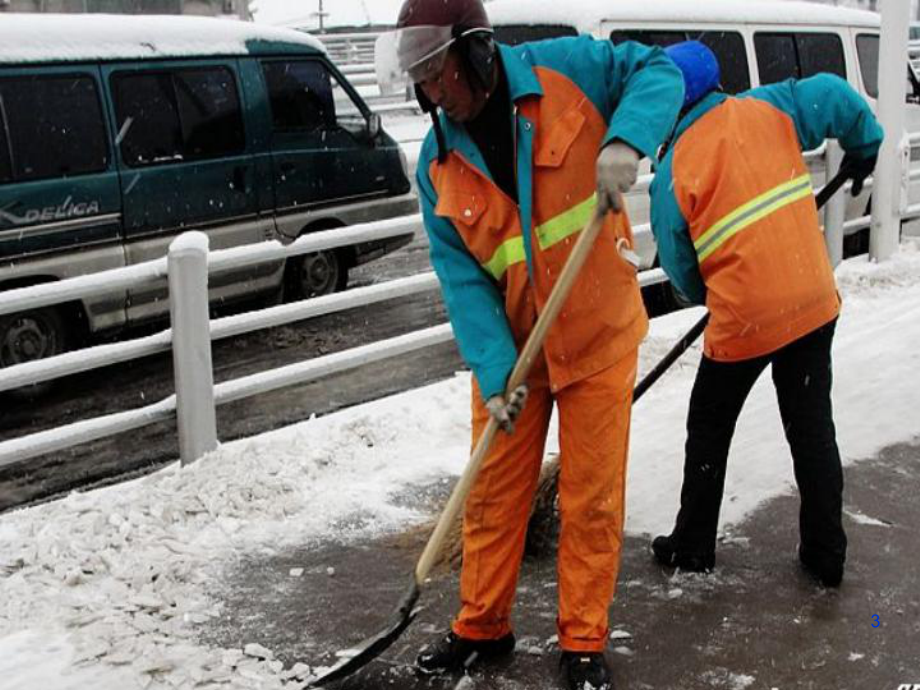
(104,590)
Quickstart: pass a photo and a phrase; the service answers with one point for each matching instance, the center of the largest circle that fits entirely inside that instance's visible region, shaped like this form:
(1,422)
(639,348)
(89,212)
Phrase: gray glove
(617,170)
(506,412)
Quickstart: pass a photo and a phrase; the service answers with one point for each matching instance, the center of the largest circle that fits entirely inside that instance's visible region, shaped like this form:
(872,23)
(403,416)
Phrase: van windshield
(514,34)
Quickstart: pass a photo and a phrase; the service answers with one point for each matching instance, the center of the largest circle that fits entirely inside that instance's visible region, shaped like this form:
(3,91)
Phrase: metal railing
(187,268)
(191,335)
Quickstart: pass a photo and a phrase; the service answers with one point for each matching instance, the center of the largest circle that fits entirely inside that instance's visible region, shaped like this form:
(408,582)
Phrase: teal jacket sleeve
(637,88)
(825,107)
(474,303)
(675,249)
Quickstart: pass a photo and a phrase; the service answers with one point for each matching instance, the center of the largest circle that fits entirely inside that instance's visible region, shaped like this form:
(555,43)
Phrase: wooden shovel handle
(525,360)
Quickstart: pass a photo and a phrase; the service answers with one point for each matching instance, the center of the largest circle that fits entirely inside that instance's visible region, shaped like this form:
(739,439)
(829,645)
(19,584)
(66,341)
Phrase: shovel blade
(373,646)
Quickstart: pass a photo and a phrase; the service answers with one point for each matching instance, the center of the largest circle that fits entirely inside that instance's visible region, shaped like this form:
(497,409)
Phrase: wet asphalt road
(757,623)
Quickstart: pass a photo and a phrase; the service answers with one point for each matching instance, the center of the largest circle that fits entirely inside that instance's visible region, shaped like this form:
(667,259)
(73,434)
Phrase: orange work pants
(594,416)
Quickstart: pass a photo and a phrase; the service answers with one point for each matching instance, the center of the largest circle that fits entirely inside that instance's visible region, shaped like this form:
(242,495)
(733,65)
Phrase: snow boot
(455,653)
(665,550)
(585,671)
(826,570)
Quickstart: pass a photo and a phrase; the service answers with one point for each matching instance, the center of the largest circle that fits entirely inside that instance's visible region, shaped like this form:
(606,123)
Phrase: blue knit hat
(699,66)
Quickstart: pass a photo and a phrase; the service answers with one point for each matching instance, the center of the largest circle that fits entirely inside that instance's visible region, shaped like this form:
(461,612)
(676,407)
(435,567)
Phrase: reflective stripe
(510,252)
(566,223)
(749,213)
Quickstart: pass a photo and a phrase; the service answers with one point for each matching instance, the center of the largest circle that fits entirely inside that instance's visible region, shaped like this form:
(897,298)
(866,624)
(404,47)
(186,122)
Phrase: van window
(783,56)
(515,34)
(212,124)
(306,97)
(776,59)
(300,92)
(728,47)
(649,38)
(188,114)
(733,63)
(867,51)
(820,53)
(53,127)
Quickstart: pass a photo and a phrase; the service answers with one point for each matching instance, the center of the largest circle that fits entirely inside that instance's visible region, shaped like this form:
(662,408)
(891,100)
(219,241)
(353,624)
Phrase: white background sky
(340,12)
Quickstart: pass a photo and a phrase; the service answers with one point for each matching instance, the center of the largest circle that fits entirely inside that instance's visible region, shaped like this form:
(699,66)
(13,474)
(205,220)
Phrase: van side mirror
(373,126)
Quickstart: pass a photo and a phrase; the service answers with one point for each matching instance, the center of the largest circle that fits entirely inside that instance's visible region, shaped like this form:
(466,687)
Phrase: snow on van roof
(586,14)
(32,38)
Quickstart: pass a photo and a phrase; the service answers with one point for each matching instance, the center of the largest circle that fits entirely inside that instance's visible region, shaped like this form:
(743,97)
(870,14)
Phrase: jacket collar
(522,82)
(706,104)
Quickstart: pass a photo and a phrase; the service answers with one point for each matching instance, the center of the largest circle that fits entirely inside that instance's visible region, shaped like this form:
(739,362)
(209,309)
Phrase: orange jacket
(733,210)
(497,260)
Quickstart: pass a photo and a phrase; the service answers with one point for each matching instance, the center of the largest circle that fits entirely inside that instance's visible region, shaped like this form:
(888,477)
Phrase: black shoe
(666,553)
(585,671)
(455,653)
(827,570)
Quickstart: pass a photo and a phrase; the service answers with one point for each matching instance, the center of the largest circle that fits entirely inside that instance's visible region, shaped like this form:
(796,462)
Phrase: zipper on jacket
(514,142)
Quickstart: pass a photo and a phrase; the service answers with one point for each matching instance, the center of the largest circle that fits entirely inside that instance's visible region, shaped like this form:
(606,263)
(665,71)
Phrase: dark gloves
(857,169)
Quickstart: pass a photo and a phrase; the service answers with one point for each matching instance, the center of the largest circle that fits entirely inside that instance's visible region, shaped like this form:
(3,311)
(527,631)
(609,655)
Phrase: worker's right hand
(506,412)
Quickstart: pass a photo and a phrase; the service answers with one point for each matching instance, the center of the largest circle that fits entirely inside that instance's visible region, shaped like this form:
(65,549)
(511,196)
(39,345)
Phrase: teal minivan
(118,133)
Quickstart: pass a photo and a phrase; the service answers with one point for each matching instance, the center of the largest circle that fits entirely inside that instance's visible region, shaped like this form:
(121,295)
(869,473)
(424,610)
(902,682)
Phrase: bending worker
(527,141)
(737,229)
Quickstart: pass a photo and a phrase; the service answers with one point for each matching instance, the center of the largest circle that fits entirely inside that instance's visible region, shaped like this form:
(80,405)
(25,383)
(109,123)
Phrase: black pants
(802,377)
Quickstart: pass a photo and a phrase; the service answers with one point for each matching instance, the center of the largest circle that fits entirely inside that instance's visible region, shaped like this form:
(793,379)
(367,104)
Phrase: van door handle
(239,179)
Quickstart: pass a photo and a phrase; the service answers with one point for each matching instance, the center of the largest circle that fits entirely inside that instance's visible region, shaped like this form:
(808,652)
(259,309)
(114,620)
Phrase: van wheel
(30,335)
(316,274)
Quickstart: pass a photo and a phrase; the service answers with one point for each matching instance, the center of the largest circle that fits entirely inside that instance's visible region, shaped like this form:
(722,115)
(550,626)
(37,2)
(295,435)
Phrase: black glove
(857,169)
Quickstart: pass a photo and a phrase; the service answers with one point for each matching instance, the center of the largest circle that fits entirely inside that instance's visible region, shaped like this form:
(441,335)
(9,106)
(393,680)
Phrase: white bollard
(835,210)
(191,339)
(886,185)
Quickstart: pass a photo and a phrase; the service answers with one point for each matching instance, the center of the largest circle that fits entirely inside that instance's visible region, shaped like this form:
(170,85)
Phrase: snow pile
(859,277)
(104,589)
(126,571)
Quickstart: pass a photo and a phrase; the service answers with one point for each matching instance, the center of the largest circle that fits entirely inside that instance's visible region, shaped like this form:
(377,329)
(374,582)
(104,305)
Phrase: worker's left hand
(506,412)
(617,170)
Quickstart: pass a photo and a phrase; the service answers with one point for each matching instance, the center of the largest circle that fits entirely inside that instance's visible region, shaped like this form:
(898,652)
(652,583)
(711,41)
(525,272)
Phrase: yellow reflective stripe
(749,213)
(566,223)
(509,252)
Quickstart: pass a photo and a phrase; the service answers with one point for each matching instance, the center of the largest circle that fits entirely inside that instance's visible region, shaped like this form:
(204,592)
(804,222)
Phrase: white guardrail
(187,268)
(192,400)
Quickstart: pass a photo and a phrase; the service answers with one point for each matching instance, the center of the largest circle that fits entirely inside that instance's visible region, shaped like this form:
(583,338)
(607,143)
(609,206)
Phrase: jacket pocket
(554,144)
(461,207)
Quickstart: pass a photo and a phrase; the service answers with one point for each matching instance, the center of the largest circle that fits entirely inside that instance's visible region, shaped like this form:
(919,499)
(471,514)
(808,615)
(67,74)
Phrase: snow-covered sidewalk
(104,590)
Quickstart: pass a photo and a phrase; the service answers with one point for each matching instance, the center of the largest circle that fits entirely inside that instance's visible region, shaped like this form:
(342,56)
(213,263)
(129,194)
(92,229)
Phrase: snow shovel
(835,183)
(355,658)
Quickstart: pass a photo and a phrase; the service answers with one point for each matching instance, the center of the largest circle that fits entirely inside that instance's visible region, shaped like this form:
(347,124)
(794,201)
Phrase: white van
(757,42)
